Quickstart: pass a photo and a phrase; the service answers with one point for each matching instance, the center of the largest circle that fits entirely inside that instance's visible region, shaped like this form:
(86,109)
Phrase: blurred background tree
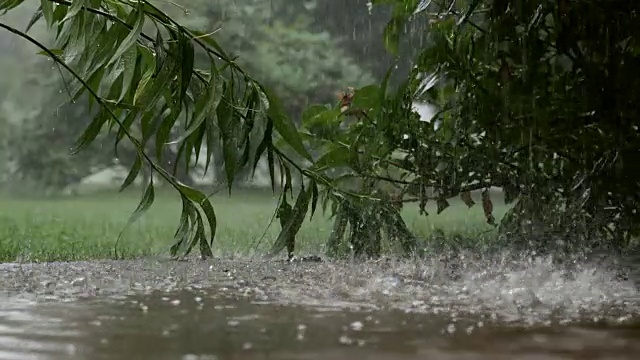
(306,51)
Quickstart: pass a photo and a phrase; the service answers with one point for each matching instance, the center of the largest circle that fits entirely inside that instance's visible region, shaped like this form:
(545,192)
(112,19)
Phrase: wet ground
(256,309)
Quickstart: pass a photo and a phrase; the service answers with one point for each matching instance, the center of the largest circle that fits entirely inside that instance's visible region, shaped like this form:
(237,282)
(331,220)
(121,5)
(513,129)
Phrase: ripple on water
(25,334)
(383,309)
(517,290)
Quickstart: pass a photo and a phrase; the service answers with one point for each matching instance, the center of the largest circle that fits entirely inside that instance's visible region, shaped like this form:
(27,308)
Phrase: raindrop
(451,328)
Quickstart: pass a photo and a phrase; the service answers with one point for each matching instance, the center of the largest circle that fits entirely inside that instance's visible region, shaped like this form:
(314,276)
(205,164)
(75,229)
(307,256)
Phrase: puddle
(254,309)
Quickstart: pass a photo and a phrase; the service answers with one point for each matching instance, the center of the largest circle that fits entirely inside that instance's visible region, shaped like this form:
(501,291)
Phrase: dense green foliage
(533,97)
(537,98)
(267,39)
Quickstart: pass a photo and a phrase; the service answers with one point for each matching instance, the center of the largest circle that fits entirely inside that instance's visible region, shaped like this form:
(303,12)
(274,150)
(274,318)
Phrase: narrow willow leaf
(272,167)
(209,40)
(125,125)
(182,234)
(149,124)
(205,104)
(34,19)
(47,11)
(487,206)
(285,127)
(442,204)
(465,196)
(210,130)
(142,85)
(161,54)
(264,144)
(164,131)
(92,131)
(227,125)
(133,173)
(288,184)
(112,75)
(74,9)
(128,64)
(300,210)
(187,61)
(205,247)
(56,52)
(129,61)
(200,199)
(190,240)
(199,237)
(314,197)
(6,5)
(337,232)
(131,39)
(145,203)
(59,12)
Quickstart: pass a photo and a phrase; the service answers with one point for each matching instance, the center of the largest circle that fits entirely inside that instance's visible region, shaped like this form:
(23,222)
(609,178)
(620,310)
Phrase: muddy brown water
(256,309)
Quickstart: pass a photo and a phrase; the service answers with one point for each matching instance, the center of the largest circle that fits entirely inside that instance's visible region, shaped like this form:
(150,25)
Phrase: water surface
(254,309)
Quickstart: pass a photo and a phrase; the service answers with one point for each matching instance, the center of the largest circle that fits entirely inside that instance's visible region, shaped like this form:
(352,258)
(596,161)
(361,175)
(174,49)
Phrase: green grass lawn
(87,227)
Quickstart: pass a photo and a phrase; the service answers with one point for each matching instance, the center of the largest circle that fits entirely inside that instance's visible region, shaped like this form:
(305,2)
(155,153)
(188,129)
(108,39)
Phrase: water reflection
(215,324)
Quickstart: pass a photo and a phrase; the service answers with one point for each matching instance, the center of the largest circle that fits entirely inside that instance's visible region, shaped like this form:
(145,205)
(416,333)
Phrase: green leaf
(182,234)
(92,131)
(133,173)
(366,98)
(227,124)
(56,52)
(337,232)
(74,9)
(205,104)
(314,197)
(311,113)
(200,199)
(264,144)
(34,19)
(142,85)
(209,40)
(442,204)
(164,131)
(124,126)
(161,54)
(272,167)
(129,60)
(6,5)
(295,221)
(187,65)
(145,203)
(284,126)
(131,38)
(337,156)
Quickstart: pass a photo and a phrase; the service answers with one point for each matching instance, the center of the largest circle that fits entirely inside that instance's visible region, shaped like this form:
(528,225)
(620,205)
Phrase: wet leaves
(487,206)
(465,196)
